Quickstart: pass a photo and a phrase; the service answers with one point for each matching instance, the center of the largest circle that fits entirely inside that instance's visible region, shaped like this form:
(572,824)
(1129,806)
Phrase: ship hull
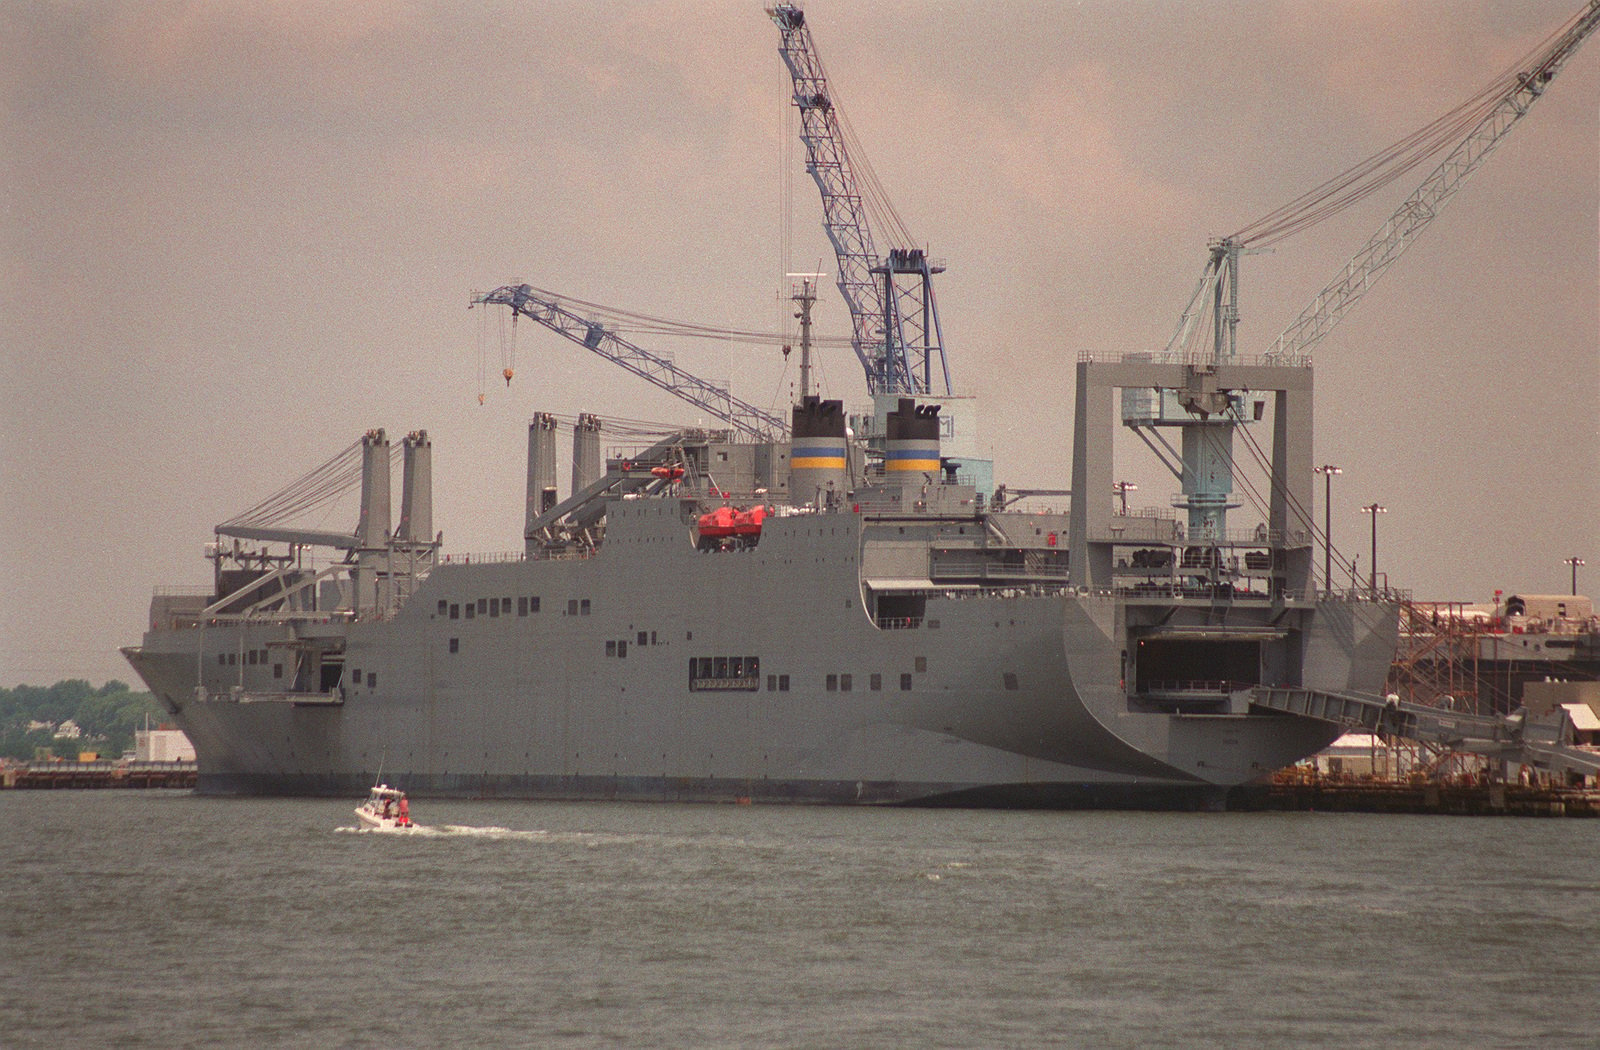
(584,680)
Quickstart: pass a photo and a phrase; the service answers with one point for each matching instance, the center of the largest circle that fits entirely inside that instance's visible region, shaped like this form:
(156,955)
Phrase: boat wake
(428,831)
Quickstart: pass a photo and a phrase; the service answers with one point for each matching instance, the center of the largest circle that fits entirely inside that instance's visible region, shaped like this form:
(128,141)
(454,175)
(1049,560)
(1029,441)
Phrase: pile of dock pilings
(1304,789)
(105,774)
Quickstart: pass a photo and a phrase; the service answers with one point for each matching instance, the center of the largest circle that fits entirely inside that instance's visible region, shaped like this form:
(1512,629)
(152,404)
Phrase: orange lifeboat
(669,473)
(748,522)
(718,524)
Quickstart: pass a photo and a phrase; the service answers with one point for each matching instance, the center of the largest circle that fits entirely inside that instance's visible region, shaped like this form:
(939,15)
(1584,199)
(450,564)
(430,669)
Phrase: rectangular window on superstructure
(772,683)
(583,607)
(905,683)
(494,607)
(833,683)
(472,610)
(643,639)
(875,683)
(222,659)
(611,647)
(277,670)
(505,606)
(455,645)
(844,683)
(724,673)
(444,606)
(483,606)
(783,683)
(622,649)
(572,606)
(455,611)
(372,679)
(250,658)
(533,603)
(522,605)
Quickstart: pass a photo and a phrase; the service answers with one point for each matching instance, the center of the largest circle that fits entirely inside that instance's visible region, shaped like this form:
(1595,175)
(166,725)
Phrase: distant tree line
(108,717)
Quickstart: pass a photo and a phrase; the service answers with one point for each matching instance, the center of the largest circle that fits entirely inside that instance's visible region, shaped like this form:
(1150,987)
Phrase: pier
(52,775)
(1297,789)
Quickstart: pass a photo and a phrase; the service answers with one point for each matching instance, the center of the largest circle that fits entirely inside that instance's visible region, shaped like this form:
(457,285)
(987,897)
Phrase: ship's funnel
(818,456)
(911,450)
(416,493)
(586,464)
(541,464)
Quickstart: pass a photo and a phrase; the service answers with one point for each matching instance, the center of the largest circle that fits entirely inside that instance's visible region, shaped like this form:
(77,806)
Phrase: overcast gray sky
(236,235)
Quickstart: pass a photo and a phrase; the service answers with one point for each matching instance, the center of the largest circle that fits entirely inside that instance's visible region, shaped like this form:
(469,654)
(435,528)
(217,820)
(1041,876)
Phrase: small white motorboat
(385,809)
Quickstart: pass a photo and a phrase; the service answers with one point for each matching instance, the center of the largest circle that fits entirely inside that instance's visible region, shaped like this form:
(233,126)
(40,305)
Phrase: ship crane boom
(545,309)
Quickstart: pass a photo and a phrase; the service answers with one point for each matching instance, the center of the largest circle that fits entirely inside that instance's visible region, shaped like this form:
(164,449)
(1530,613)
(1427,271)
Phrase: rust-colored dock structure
(53,775)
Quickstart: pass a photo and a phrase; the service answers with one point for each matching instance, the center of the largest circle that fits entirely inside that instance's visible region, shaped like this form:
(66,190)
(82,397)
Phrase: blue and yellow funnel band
(816,462)
(825,456)
(924,459)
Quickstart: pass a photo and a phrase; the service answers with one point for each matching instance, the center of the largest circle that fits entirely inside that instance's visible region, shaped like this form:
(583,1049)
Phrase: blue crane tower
(894,317)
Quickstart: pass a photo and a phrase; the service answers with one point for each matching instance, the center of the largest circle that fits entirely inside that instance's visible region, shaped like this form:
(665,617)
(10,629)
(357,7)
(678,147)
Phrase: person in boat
(405,811)
(388,804)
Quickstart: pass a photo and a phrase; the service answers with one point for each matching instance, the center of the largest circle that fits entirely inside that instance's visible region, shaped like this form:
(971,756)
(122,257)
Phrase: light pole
(1574,562)
(1374,509)
(1327,470)
(1123,488)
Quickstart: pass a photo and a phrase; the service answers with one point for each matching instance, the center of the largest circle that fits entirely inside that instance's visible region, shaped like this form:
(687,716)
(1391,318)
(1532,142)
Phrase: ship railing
(1365,594)
(298,616)
(899,623)
(1199,360)
(1204,591)
(950,591)
(1215,687)
(956,569)
(484,558)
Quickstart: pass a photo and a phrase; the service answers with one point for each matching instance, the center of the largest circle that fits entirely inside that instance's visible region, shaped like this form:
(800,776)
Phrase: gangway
(1538,741)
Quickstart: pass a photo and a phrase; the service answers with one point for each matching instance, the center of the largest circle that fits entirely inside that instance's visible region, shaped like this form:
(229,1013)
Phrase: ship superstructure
(804,620)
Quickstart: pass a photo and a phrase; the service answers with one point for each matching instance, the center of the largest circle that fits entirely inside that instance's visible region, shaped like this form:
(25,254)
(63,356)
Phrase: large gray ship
(832,614)
(833,609)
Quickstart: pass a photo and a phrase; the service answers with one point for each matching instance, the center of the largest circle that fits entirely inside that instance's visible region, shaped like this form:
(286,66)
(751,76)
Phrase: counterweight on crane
(894,316)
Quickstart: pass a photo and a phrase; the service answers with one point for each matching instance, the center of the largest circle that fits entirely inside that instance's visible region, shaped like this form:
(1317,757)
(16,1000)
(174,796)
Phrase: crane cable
(1367,177)
(630,321)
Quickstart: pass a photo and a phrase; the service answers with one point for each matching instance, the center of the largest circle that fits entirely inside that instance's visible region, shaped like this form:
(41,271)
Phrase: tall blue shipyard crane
(894,316)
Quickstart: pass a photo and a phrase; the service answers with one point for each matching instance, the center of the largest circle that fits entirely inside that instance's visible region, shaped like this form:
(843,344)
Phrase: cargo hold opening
(1192,665)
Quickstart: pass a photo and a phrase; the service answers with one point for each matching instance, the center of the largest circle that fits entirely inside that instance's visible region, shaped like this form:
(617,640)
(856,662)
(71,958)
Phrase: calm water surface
(159,919)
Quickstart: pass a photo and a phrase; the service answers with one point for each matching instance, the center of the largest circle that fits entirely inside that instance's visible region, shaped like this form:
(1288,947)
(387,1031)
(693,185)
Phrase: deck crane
(894,317)
(1207,428)
(547,310)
